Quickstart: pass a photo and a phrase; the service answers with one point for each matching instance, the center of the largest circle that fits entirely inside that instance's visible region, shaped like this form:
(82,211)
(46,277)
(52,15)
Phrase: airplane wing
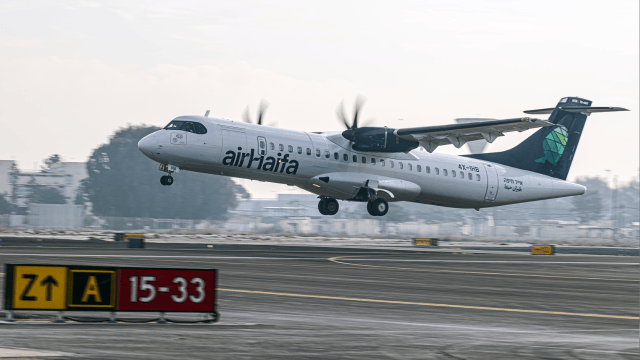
(430,137)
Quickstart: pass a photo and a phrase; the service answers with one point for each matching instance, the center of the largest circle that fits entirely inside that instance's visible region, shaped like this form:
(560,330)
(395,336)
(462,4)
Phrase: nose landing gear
(169,169)
(166,180)
(378,207)
(328,206)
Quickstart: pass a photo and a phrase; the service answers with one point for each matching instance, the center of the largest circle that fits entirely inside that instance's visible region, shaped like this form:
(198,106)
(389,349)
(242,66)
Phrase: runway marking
(398,302)
(334,259)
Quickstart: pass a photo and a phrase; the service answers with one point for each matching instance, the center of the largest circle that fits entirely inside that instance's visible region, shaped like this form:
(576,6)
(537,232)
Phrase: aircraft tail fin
(550,150)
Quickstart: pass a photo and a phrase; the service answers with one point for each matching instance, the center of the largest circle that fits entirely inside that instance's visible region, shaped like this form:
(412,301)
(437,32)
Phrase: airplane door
(492,183)
(233,138)
(319,144)
(262,145)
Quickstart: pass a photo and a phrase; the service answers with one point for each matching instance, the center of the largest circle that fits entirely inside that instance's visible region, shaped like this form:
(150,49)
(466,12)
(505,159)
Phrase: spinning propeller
(350,133)
(261,110)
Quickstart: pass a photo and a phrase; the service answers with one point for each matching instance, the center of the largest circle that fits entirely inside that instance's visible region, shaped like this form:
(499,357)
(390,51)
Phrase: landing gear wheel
(370,210)
(166,180)
(321,207)
(331,207)
(380,206)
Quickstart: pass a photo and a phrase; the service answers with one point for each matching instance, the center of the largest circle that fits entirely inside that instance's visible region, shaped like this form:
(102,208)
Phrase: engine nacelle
(378,139)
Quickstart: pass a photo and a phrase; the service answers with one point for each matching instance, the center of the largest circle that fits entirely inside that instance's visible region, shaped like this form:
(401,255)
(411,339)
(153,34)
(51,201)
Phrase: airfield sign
(36,287)
(92,288)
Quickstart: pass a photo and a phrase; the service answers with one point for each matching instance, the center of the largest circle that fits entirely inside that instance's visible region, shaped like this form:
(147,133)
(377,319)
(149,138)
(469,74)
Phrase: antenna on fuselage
(206,114)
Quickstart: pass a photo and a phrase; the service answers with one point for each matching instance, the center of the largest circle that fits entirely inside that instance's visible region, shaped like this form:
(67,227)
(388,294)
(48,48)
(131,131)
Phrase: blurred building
(17,185)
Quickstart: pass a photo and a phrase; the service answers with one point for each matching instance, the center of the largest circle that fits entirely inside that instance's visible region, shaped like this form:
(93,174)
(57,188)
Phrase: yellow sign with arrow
(38,287)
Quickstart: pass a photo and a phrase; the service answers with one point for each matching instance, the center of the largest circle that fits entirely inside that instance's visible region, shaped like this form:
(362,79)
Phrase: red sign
(166,290)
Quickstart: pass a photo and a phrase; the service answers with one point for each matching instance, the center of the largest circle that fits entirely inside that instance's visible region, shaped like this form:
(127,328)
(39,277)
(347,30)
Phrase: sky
(73,72)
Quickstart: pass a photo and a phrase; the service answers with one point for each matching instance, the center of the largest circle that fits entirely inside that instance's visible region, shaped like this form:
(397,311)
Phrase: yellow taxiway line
(335,260)
(397,302)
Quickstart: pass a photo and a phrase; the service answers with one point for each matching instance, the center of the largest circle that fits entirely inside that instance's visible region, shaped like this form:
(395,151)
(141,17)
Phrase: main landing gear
(378,207)
(166,180)
(328,206)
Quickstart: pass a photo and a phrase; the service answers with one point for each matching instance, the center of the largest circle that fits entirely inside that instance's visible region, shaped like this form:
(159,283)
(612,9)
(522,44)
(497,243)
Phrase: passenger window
(355,158)
(336,155)
(364,160)
(281,147)
(308,151)
(299,150)
(174,125)
(462,175)
(410,166)
(478,177)
(272,146)
(327,154)
(427,169)
(382,162)
(444,172)
(470,176)
(400,165)
(419,168)
(437,171)
(345,157)
(453,173)
(373,161)
(317,152)
(200,129)
(391,164)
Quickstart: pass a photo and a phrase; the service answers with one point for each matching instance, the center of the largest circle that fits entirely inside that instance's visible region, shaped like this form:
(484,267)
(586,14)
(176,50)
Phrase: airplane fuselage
(326,165)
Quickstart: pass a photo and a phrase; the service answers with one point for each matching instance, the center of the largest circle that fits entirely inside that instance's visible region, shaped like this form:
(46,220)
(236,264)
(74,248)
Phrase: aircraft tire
(331,207)
(370,209)
(321,207)
(163,180)
(380,207)
(169,180)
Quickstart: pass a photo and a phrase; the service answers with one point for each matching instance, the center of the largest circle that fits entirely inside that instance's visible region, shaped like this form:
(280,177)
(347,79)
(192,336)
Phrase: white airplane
(377,165)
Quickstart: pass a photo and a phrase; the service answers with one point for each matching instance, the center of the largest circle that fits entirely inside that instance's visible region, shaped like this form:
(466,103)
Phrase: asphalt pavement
(292,302)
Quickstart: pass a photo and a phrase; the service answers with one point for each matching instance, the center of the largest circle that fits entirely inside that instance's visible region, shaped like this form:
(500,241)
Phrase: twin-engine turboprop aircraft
(377,165)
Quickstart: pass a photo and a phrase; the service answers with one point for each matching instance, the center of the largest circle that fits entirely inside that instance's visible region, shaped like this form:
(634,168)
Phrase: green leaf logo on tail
(554,144)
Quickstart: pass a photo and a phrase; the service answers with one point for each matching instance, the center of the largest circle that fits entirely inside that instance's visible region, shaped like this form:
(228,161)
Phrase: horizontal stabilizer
(578,109)
(540,111)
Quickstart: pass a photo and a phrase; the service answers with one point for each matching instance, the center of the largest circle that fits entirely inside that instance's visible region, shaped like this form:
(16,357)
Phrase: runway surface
(285,302)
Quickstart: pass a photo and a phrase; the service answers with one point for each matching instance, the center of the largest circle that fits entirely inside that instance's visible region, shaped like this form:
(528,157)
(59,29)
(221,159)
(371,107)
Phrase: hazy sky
(72,72)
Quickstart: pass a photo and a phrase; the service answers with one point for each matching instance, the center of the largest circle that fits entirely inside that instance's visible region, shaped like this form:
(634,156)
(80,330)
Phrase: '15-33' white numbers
(146,284)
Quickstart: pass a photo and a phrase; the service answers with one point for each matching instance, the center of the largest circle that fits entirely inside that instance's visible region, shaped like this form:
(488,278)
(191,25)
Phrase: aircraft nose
(146,144)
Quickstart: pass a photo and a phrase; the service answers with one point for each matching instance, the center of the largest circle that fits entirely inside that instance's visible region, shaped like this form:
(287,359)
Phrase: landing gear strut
(328,206)
(378,207)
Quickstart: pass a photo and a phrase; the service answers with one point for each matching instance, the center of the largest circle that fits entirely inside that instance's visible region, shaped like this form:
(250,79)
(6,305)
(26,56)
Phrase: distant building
(17,184)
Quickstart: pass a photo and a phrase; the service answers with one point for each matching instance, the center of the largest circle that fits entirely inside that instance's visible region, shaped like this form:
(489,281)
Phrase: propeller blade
(263,108)
(369,122)
(245,115)
(356,110)
(341,115)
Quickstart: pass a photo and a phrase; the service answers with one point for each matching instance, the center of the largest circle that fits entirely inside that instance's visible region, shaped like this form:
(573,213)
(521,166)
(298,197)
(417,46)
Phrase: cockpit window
(189,126)
(200,129)
(174,125)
